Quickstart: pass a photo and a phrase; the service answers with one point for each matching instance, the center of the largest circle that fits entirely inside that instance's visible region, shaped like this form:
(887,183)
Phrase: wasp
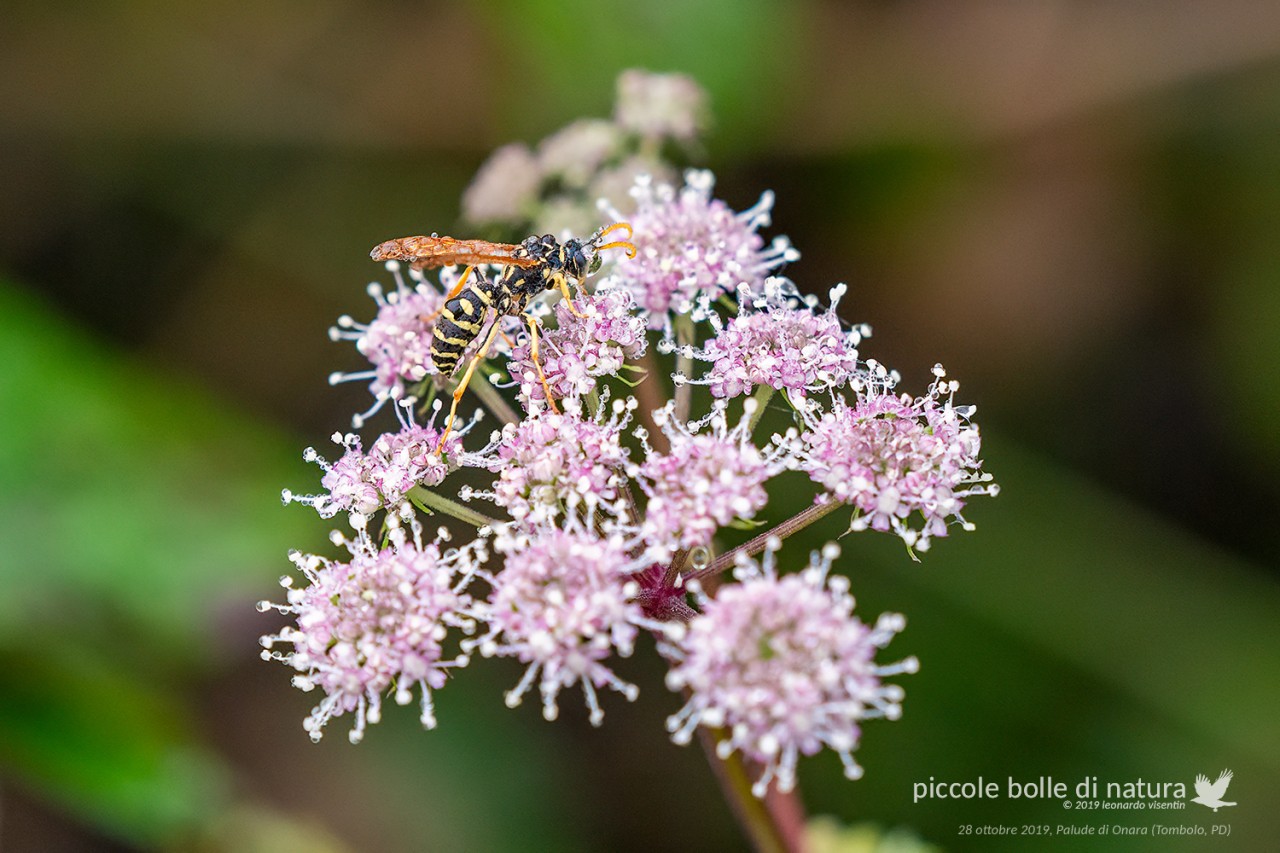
(529,268)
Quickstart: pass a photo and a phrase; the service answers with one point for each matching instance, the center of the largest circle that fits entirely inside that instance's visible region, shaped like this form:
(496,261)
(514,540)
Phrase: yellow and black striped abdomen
(457,326)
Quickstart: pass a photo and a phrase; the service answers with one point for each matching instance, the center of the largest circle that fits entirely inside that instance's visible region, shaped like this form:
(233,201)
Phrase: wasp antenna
(620,244)
(616,244)
(599,235)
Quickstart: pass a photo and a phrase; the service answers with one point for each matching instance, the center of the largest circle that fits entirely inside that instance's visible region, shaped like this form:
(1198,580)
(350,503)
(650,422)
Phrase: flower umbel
(556,188)
(562,605)
(781,664)
(595,342)
(707,480)
(788,347)
(378,621)
(397,341)
(905,465)
(363,482)
(505,187)
(692,248)
(555,462)
(669,396)
(660,105)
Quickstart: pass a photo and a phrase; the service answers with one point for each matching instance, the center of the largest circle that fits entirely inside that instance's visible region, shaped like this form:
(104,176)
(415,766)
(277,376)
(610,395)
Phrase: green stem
(792,525)
(650,149)
(763,395)
(685,336)
(495,402)
(438,503)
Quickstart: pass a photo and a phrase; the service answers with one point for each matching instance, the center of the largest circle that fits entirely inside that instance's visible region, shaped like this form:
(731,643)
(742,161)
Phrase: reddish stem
(792,525)
(772,825)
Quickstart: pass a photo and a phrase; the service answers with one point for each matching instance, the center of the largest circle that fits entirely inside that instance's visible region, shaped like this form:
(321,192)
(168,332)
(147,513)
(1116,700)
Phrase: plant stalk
(792,525)
(772,825)
(439,503)
(649,396)
(685,336)
(494,401)
(763,395)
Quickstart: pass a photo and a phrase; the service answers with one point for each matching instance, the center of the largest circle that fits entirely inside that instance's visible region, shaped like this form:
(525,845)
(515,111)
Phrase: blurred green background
(1074,206)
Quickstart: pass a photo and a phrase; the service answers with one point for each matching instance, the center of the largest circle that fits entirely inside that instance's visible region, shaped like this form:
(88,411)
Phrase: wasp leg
(568,300)
(457,288)
(466,380)
(537,362)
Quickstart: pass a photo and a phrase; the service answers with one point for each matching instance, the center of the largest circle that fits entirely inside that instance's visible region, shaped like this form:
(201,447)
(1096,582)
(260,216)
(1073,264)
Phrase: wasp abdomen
(458,325)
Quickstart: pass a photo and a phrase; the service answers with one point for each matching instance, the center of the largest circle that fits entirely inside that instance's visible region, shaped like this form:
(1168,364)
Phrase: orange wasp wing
(433,251)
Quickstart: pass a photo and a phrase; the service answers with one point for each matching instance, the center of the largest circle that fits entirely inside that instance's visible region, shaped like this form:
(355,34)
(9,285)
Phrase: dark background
(1073,205)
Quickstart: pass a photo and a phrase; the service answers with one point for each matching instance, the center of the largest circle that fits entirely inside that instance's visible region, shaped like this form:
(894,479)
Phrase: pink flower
(563,604)
(705,481)
(362,483)
(691,248)
(576,152)
(787,347)
(553,462)
(377,621)
(785,668)
(397,341)
(348,482)
(505,188)
(904,464)
(660,105)
(408,458)
(581,348)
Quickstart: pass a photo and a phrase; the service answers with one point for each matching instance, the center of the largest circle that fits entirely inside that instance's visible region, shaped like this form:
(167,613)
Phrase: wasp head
(578,261)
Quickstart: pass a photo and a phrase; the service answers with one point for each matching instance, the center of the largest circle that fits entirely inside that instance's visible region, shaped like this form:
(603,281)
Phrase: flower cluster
(608,501)
(706,480)
(363,482)
(691,248)
(397,341)
(785,667)
(789,348)
(562,605)
(378,621)
(593,338)
(660,106)
(554,187)
(549,464)
(906,465)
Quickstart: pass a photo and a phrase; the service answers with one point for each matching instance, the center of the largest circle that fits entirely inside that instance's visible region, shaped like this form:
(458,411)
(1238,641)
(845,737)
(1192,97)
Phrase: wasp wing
(434,251)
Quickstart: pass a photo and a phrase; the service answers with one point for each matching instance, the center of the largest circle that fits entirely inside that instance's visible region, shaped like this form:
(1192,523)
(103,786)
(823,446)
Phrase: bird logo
(1211,794)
